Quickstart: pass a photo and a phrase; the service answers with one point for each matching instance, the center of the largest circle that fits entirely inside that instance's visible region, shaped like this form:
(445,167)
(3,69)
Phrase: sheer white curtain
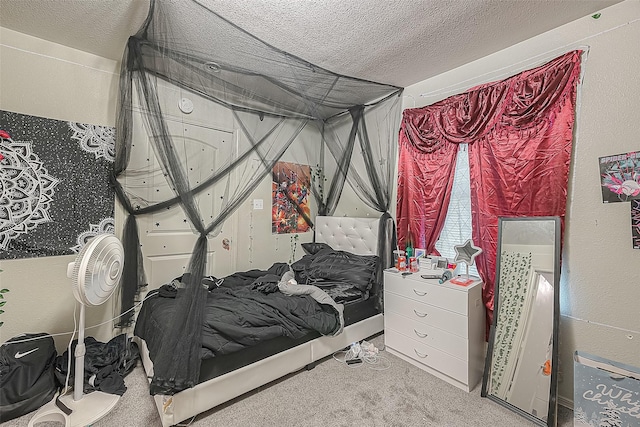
(457,226)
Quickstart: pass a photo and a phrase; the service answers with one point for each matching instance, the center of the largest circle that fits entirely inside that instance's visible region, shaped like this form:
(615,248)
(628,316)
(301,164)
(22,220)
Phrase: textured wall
(48,80)
(600,284)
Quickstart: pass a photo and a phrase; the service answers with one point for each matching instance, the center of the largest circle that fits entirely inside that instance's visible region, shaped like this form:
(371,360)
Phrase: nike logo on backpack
(18,355)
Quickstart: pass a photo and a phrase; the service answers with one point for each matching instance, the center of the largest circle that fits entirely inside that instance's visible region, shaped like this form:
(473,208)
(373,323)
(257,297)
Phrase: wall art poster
(620,177)
(605,393)
(290,188)
(54,185)
(635,223)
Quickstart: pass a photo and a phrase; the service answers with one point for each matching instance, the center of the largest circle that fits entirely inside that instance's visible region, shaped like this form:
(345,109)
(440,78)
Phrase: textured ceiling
(399,42)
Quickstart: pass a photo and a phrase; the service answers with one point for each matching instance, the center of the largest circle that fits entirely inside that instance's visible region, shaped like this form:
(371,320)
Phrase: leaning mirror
(522,358)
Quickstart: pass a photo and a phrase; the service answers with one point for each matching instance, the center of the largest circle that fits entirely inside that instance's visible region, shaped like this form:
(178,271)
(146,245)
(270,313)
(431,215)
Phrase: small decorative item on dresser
(399,260)
(413,265)
(461,281)
(467,253)
(446,276)
(402,263)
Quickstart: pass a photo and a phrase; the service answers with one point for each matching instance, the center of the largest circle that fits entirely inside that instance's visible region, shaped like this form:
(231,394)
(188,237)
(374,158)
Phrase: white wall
(257,247)
(600,285)
(49,80)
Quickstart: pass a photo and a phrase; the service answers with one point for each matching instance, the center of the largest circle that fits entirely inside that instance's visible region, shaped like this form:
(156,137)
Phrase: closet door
(204,140)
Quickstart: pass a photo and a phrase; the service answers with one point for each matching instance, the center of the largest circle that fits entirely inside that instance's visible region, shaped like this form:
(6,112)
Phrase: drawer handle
(424,356)
(421,335)
(419,314)
(420,294)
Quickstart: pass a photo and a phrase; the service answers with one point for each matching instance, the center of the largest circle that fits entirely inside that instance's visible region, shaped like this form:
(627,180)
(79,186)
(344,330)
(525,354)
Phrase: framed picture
(620,177)
(290,187)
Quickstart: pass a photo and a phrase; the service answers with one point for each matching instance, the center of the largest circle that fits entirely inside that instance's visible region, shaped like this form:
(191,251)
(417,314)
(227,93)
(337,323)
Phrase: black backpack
(27,378)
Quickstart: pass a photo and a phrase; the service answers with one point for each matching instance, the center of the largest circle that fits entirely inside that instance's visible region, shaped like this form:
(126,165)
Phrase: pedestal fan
(95,275)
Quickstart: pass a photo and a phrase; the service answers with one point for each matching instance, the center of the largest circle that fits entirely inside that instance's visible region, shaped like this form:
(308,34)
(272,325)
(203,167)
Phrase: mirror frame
(552,415)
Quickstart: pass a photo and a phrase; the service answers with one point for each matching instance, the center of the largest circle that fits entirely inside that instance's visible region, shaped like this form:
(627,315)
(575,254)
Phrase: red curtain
(519,132)
(425,180)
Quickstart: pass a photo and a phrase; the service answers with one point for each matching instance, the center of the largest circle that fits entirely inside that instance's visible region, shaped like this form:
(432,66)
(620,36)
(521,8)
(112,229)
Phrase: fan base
(86,411)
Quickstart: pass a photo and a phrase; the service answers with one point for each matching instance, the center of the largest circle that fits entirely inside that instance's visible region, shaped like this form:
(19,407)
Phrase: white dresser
(437,327)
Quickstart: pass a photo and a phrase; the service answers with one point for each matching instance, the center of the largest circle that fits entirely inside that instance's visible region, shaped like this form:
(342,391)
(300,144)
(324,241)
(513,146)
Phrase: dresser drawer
(445,320)
(427,292)
(428,335)
(429,356)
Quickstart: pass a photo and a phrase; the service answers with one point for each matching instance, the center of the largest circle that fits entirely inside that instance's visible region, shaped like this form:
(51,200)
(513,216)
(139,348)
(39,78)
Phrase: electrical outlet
(258,204)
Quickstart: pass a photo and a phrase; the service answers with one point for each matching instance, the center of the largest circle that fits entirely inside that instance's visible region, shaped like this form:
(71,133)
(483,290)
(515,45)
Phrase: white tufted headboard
(355,235)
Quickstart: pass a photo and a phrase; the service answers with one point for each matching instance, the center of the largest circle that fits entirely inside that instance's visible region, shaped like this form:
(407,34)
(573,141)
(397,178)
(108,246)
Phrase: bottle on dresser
(412,261)
(409,244)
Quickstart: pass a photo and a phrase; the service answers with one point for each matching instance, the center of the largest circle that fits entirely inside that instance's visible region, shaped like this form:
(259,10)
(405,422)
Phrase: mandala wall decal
(106,226)
(26,190)
(54,184)
(99,140)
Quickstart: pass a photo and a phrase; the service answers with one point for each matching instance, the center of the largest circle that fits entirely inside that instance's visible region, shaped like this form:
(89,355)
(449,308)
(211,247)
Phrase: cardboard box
(606,393)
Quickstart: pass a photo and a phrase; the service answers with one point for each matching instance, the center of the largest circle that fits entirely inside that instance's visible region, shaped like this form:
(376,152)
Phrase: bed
(227,376)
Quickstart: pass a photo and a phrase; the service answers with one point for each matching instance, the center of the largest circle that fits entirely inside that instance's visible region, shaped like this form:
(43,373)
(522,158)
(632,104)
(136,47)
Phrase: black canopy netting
(283,108)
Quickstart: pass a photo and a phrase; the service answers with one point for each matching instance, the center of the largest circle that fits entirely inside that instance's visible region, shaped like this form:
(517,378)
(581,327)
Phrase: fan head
(97,269)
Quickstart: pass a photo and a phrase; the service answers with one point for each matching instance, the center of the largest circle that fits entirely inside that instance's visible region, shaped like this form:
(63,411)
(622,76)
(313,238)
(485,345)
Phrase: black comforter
(240,317)
(243,310)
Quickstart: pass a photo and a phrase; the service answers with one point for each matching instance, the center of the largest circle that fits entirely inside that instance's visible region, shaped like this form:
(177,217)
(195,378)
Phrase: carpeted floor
(390,393)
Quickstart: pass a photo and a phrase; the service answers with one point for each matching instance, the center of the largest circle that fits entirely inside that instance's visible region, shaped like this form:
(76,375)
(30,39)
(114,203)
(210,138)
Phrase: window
(457,225)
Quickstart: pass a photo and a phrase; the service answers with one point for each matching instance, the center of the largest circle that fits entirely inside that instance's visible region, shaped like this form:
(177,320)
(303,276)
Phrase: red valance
(517,103)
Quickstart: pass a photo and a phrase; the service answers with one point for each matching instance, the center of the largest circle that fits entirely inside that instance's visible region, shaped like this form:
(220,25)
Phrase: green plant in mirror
(294,243)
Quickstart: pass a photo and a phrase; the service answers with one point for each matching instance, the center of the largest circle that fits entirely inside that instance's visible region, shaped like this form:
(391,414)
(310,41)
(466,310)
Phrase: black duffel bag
(27,379)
